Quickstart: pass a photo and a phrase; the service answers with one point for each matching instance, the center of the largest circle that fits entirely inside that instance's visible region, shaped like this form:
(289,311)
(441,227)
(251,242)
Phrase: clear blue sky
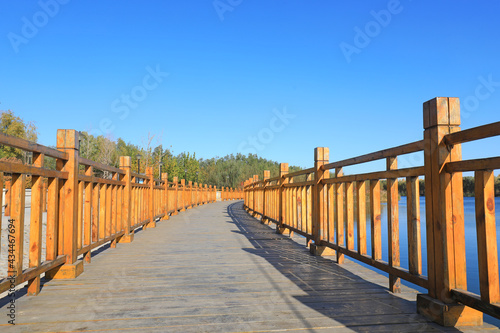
(232,68)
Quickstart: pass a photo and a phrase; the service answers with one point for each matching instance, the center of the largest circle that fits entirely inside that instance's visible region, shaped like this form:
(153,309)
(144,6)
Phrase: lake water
(470,242)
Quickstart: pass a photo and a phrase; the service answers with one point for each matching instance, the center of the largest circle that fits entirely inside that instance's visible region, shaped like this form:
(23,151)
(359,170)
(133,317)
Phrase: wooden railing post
(182,200)
(176,196)
(319,209)
(205,195)
(190,195)
(151,204)
(281,197)
(35,248)
(393,225)
(126,166)
(68,142)
(255,195)
(164,177)
(267,175)
(444,218)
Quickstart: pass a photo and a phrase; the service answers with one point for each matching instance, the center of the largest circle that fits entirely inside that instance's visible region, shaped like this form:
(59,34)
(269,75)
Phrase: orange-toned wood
(349,213)
(108,210)
(361,216)
(281,196)
(444,201)
(413,221)
(95,212)
(166,207)
(15,251)
(487,254)
(189,202)
(375,220)
(265,196)
(176,196)
(309,205)
(339,217)
(36,219)
(52,234)
(68,142)
(81,186)
(393,225)
(87,215)
(321,157)
(102,211)
(182,203)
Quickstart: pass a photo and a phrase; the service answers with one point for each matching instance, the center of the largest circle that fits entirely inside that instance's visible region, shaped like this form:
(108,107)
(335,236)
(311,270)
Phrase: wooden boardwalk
(216,269)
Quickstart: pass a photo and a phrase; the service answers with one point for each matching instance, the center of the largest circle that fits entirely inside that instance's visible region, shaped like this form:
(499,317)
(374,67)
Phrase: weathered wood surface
(232,274)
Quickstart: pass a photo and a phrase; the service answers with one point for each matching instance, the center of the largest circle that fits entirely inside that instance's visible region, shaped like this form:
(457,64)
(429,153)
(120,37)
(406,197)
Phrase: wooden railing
(84,212)
(330,208)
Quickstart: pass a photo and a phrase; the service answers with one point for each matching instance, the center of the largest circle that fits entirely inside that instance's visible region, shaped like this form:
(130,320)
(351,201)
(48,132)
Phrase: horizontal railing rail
(341,214)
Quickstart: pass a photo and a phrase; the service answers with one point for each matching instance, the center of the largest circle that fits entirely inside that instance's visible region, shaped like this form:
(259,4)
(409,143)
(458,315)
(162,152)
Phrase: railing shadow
(327,288)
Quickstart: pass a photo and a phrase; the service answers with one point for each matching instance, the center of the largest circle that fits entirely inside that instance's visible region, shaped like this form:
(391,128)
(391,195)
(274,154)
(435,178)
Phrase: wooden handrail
(31,146)
(378,155)
(473,134)
(322,209)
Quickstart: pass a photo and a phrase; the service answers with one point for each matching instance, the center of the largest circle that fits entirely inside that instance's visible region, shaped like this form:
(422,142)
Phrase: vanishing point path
(215,268)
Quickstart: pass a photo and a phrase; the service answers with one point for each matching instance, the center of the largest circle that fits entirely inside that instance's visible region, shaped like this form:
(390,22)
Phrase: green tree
(12,125)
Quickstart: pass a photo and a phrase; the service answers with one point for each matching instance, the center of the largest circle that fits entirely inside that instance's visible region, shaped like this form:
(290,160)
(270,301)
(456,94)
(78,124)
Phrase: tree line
(230,170)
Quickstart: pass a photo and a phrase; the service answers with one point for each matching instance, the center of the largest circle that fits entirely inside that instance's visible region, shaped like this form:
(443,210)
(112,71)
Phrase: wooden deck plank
(234,275)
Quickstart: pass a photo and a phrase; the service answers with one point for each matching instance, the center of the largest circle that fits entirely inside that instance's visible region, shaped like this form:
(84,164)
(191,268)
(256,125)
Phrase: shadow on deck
(334,292)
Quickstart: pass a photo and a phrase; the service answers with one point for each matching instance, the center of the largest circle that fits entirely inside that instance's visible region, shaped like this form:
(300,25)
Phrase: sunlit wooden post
(126,166)
(267,175)
(176,196)
(151,204)
(255,195)
(486,236)
(182,203)
(444,218)
(190,195)
(164,177)
(321,157)
(18,201)
(205,194)
(68,142)
(87,229)
(393,225)
(281,197)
